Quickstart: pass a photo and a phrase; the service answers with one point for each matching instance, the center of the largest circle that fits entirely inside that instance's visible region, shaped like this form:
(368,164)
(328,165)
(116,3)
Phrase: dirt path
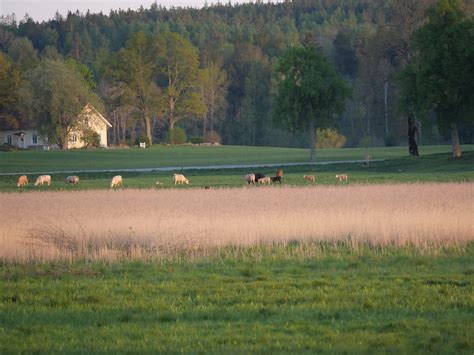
(203,167)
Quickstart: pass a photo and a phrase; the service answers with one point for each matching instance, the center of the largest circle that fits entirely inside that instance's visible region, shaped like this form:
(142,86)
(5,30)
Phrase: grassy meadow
(272,300)
(38,161)
(439,167)
(384,263)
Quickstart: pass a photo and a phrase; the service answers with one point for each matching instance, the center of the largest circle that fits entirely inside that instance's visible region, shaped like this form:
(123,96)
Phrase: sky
(43,10)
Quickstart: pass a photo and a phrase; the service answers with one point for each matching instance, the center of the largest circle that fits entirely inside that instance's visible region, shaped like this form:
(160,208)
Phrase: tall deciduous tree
(213,85)
(135,68)
(54,95)
(444,67)
(408,16)
(9,83)
(310,92)
(178,64)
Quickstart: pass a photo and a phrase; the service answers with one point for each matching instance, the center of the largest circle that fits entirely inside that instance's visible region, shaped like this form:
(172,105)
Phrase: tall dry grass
(161,224)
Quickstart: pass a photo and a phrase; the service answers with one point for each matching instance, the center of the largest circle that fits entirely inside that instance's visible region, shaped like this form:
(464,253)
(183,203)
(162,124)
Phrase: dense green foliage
(310,92)
(55,95)
(368,41)
(294,298)
(439,78)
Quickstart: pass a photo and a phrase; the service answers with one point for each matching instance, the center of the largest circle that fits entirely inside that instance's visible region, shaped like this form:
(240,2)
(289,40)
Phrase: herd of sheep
(178,179)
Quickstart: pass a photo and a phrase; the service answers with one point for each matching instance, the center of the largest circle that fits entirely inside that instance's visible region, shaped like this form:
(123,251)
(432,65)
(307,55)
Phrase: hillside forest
(210,74)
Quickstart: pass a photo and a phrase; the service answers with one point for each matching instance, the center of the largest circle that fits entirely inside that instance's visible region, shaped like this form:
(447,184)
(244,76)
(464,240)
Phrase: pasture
(263,299)
(383,263)
(429,168)
(37,161)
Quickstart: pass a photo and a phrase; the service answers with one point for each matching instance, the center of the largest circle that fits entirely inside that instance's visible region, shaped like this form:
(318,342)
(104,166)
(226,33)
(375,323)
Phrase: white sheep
(180,179)
(116,181)
(72,180)
(43,179)
(265,180)
(250,178)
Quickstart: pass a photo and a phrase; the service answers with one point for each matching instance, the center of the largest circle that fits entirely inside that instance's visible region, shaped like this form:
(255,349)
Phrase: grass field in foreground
(430,168)
(246,300)
(162,156)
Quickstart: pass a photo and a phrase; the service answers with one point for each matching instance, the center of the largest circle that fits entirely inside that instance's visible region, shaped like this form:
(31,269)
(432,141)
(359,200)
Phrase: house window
(9,140)
(35,139)
(74,138)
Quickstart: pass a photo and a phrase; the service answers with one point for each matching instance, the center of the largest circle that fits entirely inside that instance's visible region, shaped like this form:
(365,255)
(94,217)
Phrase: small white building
(30,138)
(22,138)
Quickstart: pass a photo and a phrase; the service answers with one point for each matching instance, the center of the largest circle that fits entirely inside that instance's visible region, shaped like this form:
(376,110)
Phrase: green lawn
(162,156)
(264,299)
(429,168)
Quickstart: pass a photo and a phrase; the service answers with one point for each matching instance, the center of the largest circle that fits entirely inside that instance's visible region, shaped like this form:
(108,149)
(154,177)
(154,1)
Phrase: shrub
(176,136)
(196,140)
(213,137)
(390,140)
(90,138)
(329,138)
(364,142)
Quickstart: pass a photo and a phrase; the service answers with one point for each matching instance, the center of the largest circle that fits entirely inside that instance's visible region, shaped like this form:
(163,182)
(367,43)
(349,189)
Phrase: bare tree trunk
(204,125)
(149,136)
(412,135)
(212,110)
(171,114)
(385,89)
(312,143)
(457,153)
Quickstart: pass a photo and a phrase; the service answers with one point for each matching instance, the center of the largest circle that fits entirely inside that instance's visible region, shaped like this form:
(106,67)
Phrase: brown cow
(342,177)
(311,178)
(22,181)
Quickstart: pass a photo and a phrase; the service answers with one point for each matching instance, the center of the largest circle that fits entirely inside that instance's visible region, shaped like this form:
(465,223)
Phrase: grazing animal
(116,181)
(72,180)
(250,178)
(43,179)
(258,176)
(276,179)
(342,177)
(180,179)
(207,187)
(264,180)
(22,181)
(311,178)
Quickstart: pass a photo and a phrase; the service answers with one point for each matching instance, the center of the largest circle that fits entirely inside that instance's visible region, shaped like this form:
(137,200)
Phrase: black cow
(258,176)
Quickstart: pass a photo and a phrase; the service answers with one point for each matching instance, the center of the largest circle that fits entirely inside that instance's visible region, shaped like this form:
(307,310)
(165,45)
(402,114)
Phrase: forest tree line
(211,71)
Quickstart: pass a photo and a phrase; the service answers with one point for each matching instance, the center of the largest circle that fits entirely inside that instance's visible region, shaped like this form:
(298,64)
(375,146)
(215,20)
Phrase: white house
(30,138)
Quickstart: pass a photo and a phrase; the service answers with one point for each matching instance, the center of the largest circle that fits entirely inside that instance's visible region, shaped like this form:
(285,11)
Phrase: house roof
(7,126)
(91,108)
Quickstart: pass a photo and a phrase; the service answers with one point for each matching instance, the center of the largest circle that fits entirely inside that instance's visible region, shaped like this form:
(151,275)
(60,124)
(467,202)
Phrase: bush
(90,138)
(196,140)
(329,138)
(213,137)
(176,136)
(365,142)
(390,140)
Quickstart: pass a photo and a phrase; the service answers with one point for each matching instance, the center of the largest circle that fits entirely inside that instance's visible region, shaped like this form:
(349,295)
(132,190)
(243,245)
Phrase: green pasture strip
(431,168)
(164,156)
(261,299)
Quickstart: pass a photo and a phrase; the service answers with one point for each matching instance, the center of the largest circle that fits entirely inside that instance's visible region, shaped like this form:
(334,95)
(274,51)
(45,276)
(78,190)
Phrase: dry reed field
(161,224)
